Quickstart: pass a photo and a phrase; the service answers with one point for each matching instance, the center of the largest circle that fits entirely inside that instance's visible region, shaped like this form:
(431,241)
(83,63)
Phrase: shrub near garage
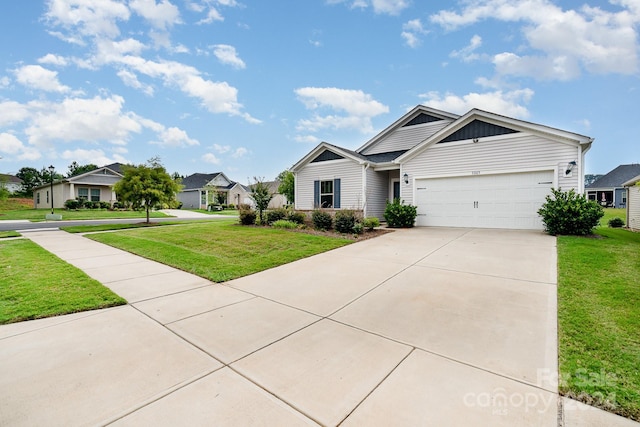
(345,221)
(569,213)
(399,215)
(321,220)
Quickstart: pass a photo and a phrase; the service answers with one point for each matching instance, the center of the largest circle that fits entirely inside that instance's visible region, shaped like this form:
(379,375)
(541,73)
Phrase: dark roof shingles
(617,177)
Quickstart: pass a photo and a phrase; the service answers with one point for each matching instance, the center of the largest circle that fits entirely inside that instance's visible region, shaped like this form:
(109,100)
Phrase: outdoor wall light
(406,178)
(570,167)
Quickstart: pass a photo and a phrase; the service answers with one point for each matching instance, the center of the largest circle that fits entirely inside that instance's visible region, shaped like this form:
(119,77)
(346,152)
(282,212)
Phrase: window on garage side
(95,194)
(327,193)
(83,193)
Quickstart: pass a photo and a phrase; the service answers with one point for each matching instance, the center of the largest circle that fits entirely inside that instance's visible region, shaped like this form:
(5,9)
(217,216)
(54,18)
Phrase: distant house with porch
(609,190)
(96,186)
(10,182)
(202,189)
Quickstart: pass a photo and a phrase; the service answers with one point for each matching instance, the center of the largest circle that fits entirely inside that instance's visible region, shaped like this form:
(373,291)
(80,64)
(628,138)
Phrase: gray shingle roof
(198,180)
(116,167)
(617,177)
(375,158)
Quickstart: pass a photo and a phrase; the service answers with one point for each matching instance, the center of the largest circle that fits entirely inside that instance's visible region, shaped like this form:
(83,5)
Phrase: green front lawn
(610,213)
(6,234)
(39,214)
(230,212)
(599,319)
(34,284)
(221,250)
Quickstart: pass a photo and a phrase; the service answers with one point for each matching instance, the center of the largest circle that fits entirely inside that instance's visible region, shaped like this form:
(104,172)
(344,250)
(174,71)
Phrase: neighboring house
(278,200)
(480,169)
(96,186)
(201,189)
(633,202)
(609,189)
(10,182)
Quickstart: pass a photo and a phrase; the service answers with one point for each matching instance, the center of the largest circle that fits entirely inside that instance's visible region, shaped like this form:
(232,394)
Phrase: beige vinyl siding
(633,206)
(512,153)
(377,192)
(405,138)
(349,173)
(97,179)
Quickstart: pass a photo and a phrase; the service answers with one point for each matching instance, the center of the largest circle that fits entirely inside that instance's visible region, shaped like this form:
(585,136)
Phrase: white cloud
(221,148)
(561,41)
(239,152)
(161,15)
(211,158)
(175,137)
(52,59)
(307,139)
(89,18)
(509,103)
(467,53)
(357,108)
(10,144)
(37,77)
(5,81)
(81,119)
(211,6)
(228,55)
(411,30)
(131,80)
(12,112)
(82,156)
(389,7)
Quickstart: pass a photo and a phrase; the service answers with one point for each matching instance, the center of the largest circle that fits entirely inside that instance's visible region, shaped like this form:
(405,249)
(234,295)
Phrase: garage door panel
(488,201)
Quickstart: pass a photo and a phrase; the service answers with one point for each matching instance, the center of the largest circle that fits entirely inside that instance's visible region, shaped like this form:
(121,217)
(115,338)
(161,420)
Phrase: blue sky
(249,87)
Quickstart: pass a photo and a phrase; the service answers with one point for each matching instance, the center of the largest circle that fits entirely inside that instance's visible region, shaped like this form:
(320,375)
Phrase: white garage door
(487,201)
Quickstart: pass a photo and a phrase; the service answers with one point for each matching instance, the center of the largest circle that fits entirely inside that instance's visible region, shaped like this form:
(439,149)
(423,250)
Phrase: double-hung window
(95,194)
(326,194)
(83,193)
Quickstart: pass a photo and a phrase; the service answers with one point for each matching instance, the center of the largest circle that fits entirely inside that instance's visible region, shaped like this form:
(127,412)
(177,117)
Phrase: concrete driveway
(426,326)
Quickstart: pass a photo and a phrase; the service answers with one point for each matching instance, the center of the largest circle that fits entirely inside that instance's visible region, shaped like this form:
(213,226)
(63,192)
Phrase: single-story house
(201,189)
(278,200)
(609,190)
(480,169)
(10,182)
(96,186)
(633,202)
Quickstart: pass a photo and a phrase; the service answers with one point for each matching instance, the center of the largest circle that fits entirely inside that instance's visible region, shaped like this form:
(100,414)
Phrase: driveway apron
(427,326)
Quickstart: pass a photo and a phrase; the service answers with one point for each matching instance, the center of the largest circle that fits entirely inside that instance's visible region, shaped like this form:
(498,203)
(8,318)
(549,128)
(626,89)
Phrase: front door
(396,190)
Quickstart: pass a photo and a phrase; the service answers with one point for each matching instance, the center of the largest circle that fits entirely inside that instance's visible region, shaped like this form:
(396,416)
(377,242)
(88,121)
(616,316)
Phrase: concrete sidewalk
(417,327)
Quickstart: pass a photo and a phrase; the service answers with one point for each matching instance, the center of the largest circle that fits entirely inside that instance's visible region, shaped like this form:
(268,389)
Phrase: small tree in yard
(261,196)
(146,185)
(287,185)
(569,213)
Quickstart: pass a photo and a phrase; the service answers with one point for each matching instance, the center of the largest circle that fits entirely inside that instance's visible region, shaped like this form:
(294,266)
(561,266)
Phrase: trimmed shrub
(344,221)
(231,206)
(283,223)
(297,217)
(616,222)
(358,228)
(569,213)
(104,205)
(72,204)
(247,217)
(399,215)
(244,207)
(321,220)
(371,222)
(276,215)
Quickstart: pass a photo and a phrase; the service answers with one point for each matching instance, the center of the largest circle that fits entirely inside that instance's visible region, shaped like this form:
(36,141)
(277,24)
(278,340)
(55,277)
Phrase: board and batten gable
(516,152)
(405,138)
(351,185)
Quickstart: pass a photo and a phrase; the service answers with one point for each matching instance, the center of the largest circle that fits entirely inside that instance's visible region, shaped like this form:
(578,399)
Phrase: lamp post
(51,169)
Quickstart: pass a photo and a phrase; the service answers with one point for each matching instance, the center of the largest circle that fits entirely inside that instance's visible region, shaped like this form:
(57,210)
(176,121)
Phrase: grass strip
(220,250)
(6,234)
(599,319)
(35,283)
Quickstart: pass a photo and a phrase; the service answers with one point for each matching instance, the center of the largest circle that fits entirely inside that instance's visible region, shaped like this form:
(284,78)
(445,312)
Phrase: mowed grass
(599,319)
(227,212)
(34,284)
(610,213)
(6,234)
(40,214)
(221,250)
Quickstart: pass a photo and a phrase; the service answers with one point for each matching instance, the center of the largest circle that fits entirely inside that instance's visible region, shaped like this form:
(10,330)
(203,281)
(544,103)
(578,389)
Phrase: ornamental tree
(146,185)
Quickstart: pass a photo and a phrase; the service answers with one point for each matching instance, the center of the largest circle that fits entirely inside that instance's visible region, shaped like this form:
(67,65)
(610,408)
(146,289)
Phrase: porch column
(72,191)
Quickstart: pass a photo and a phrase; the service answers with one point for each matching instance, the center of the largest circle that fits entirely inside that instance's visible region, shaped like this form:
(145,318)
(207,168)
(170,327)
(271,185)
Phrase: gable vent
(477,129)
(327,155)
(421,118)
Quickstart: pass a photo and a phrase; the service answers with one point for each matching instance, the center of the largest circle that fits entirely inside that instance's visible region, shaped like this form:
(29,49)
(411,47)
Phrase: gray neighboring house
(96,186)
(10,182)
(479,169)
(609,190)
(201,189)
